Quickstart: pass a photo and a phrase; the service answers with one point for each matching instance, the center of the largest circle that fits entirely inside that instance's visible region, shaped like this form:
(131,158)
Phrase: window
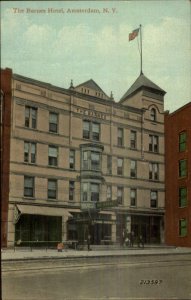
(30,117)
(91,130)
(182,197)
(72,159)
(91,160)
(109,193)
(53,122)
(153,171)
(86,129)
(120,195)
(133,197)
(95,161)
(153,143)
(52,156)
(120,166)
(182,168)
(154,198)
(85,160)
(109,164)
(95,131)
(71,190)
(182,141)
(52,189)
(29,152)
(94,187)
(153,114)
(28,186)
(85,191)
(133,170)
(133,140)
(120,137)
(182,227)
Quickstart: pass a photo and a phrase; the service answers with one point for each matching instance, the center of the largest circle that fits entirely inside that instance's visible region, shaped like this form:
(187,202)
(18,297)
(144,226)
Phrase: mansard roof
(140,83)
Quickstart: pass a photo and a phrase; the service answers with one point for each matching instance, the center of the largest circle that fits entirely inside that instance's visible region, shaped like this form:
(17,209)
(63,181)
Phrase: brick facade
(6,99)
(176,123)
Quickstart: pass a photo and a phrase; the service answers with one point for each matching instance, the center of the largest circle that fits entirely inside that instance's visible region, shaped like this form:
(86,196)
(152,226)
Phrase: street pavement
(32,254)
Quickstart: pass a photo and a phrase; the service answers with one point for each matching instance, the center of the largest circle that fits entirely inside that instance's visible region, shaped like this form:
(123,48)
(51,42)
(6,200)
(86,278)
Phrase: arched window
(153,114)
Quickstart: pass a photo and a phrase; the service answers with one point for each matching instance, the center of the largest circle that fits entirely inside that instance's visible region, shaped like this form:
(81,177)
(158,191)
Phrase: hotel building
(82,163)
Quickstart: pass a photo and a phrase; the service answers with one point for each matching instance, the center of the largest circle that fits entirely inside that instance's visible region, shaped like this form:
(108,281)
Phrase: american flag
(133,34)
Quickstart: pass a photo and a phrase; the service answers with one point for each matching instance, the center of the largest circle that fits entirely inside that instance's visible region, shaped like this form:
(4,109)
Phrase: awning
(43,210)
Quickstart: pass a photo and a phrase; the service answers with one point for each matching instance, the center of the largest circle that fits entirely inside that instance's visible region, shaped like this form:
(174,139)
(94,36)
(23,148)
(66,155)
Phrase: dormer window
(153,115)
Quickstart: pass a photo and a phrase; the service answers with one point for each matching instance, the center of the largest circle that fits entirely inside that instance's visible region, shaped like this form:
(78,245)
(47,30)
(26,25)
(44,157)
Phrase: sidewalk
(36,254)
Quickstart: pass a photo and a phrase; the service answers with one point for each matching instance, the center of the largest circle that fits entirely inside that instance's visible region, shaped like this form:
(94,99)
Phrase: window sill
(30,128)
(30,163)
(29,198)
(52,132)
(51,166)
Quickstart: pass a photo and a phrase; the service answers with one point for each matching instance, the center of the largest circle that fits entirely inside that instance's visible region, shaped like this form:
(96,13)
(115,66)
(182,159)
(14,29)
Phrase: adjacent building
(81,163)
(178,176)
(5,138)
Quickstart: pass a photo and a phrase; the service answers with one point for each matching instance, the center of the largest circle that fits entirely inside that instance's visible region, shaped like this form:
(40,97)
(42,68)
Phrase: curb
(85,256)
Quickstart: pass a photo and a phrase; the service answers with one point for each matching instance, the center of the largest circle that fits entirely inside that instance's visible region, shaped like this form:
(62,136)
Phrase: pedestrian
(89,242)
(132,236)
(140,241)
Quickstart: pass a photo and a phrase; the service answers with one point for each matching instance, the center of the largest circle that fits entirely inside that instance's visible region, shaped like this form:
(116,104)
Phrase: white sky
(58,47)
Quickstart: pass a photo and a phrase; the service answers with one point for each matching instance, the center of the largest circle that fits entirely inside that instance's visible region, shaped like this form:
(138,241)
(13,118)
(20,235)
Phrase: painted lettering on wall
(91,113)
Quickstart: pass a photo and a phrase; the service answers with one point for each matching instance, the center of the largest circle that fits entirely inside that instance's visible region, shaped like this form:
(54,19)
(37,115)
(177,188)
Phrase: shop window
(133,169)
(153,171)
(52,156)
(120,166)
(153,143)
(91,130)
(154,199)
(72,159)
(182,141)
(29,152)
(153,115)
(120,137)
(183,168)
(109,164)
(30,117)
(120,192)
(133,197)
(133,140)
(52,189)
(183,227)
(109,193)
(53,122)
(28,186)
(71,190)
(182,197)
(94,188)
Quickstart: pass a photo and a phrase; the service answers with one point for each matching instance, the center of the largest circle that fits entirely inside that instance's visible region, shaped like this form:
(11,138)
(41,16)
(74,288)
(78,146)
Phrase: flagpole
(141,51)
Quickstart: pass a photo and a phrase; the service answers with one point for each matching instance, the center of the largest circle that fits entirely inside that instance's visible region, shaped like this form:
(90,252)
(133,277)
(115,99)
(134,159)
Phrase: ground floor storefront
(150,227)
(47,226)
